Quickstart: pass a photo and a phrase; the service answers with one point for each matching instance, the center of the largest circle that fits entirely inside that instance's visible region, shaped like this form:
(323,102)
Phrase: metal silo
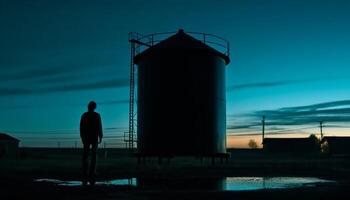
(181,99)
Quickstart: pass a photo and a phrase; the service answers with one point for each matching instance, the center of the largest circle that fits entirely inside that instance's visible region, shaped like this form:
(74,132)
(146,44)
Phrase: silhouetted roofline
(6,137)
(346,138)
(285,139)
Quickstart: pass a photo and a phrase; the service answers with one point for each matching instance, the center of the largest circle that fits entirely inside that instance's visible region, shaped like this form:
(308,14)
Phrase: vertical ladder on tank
(135,45)
(130,140)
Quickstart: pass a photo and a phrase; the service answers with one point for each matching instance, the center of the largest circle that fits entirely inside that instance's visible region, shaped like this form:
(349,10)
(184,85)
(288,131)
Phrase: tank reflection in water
(217,184)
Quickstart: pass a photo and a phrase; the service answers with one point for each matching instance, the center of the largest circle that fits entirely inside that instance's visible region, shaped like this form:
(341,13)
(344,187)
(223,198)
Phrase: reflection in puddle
(257,183)
(219,184)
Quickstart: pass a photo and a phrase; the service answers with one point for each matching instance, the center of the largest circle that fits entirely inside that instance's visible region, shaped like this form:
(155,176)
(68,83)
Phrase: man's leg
(92,173)
(85,163)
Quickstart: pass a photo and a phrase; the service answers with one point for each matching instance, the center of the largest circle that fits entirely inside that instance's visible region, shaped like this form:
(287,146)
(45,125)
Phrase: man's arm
(82,129)
(100,133)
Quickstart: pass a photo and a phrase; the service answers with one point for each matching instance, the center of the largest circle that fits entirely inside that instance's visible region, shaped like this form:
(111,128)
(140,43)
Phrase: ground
(16,175)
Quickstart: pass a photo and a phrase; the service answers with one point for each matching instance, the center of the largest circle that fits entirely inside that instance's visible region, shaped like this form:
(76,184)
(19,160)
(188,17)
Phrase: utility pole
(321,126)
(263,129)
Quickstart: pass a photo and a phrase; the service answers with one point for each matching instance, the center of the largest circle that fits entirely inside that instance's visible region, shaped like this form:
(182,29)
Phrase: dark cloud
(327,112)
(117,83)
(259,134)
(320,105)
(30,74)
(89,86)
(49,75)
(235,127)
(48,80)
(63,105)
(300,118)
(114,102)
(275,83)
(13,91)
(259,85)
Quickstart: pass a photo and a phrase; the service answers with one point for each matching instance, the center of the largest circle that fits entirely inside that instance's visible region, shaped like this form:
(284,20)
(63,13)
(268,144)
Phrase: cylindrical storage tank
(181,98)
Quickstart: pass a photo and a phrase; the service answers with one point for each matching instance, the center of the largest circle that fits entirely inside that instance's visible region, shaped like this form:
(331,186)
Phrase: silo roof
(182,41)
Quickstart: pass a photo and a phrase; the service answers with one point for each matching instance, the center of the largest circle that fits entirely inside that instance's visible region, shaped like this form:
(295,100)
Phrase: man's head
(92,106)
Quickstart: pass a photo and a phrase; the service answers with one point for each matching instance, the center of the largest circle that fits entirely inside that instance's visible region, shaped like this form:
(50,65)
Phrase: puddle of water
(130,182)
(258,183)
(219,184)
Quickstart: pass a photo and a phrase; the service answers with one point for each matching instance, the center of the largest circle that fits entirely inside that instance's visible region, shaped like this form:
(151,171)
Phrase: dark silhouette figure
(91,134)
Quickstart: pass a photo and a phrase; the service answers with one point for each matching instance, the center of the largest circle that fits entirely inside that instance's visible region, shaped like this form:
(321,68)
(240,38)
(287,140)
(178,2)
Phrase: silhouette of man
(91,134)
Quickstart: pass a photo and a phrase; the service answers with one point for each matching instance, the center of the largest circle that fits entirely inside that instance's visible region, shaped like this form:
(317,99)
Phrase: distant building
(291,145)
(8,146)
(336,145)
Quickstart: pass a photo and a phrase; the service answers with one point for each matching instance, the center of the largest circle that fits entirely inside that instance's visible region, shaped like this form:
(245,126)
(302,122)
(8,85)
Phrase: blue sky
(56,56)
